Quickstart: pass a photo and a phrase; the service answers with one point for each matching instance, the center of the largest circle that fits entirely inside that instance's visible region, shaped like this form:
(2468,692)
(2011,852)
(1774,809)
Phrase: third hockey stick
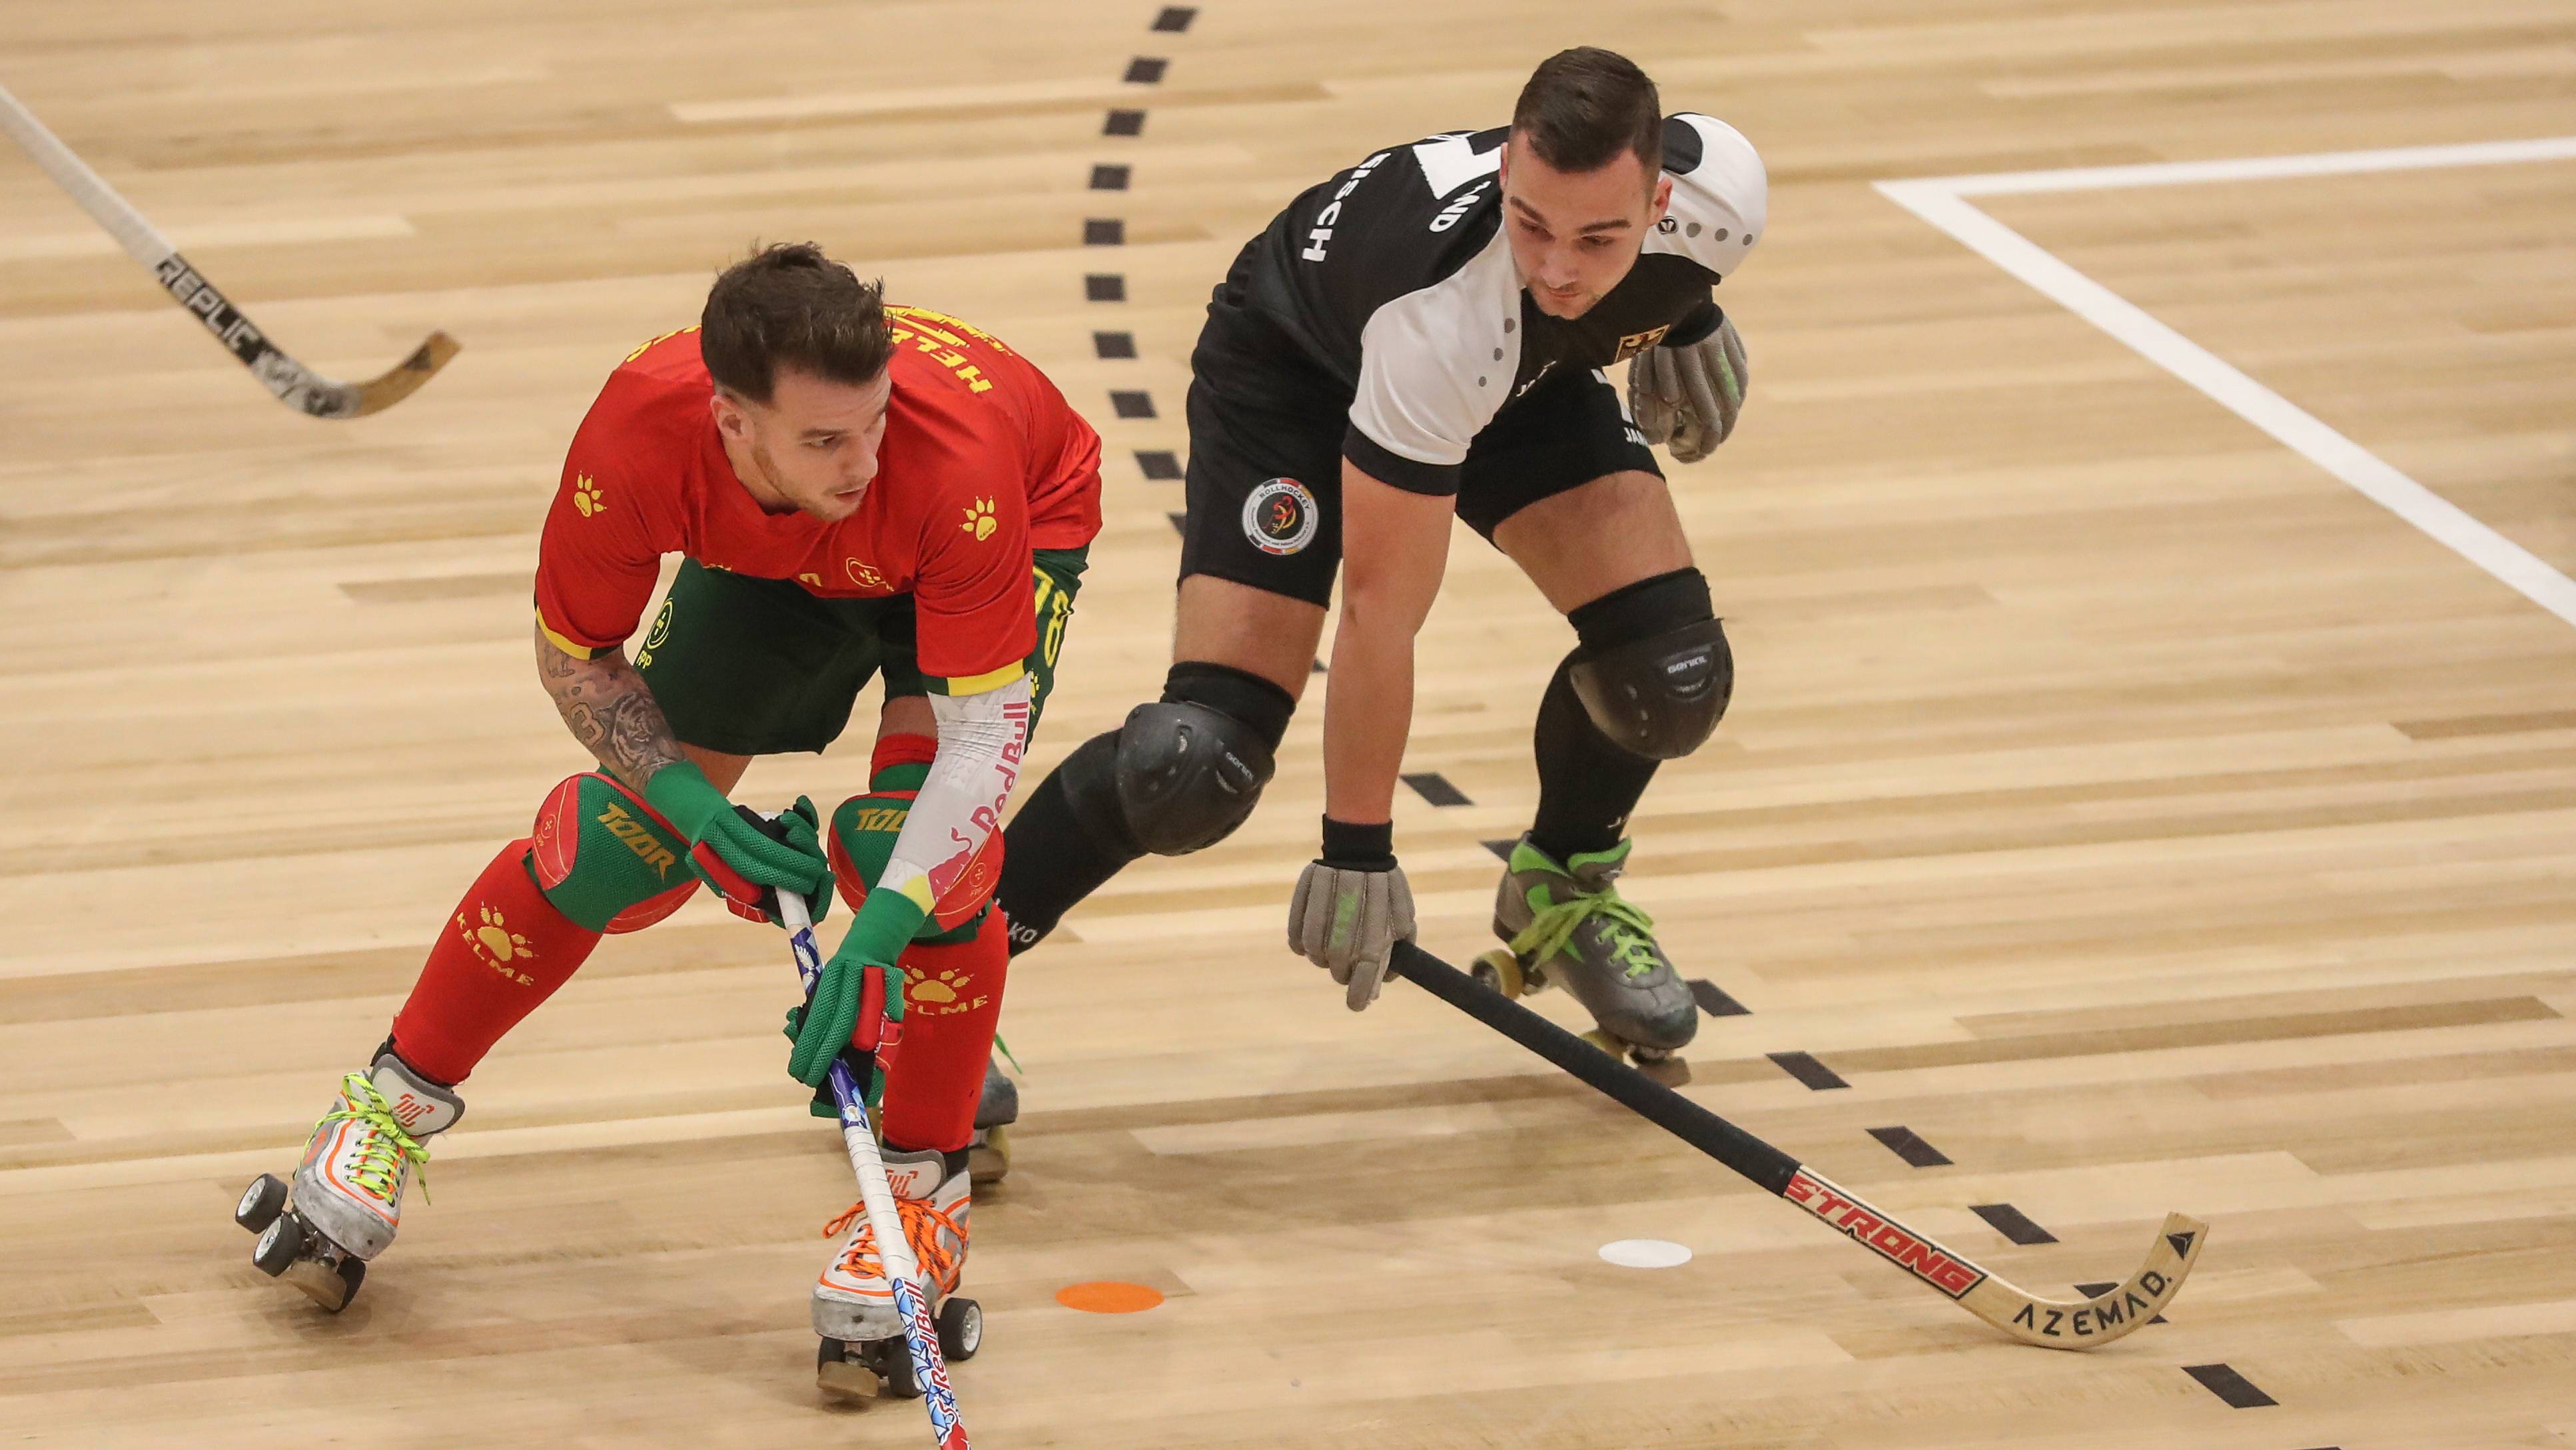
(2050,1323)
(295,385)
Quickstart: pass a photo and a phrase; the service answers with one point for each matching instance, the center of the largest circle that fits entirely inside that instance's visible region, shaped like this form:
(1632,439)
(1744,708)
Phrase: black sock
(1586,785)
(1052,858)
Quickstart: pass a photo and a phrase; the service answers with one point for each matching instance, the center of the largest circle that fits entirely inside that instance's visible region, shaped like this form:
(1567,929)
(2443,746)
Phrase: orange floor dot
(1108,1296)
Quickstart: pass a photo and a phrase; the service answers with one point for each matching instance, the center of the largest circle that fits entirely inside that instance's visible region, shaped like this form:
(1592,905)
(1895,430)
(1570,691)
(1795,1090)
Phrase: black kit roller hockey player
(1427,333)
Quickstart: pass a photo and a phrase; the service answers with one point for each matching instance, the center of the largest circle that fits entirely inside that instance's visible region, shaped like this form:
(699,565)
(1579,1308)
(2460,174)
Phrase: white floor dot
(1645,1254)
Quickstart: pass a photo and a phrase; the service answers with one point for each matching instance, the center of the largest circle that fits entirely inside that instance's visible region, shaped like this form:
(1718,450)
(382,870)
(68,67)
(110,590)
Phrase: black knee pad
(1653,670)
(1182,773)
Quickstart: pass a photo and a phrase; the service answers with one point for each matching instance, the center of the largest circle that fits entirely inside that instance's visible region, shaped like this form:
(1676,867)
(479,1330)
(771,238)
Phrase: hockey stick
(294,384)
(2050,1323)
(894,1251)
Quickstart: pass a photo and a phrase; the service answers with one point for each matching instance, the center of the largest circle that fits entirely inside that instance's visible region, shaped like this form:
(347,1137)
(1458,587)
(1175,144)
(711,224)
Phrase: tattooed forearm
(609,709)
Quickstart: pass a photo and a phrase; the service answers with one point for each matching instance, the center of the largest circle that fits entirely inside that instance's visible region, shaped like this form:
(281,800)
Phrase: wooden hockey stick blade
(2049,1323)
(2115,1313)
(401,380)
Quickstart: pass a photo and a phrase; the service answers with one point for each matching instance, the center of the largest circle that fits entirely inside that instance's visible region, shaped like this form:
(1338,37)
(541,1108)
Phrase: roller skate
(1567,926)
(345,1202)
(988,1155)
(863,1354)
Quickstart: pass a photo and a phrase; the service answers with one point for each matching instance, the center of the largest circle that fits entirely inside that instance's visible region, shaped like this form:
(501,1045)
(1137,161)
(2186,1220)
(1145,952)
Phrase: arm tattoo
(610,710)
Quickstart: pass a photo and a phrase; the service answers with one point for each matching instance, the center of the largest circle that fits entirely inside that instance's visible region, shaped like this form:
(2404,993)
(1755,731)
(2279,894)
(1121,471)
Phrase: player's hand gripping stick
(903,1275)
(2050,1323)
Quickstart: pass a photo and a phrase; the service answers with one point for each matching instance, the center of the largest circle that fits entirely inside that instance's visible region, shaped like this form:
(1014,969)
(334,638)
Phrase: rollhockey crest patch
(1280,517)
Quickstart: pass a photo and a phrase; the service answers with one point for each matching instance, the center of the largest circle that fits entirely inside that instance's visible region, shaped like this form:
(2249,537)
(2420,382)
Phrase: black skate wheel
(961,1329)
(261,1203)
(280,1245)
(839,1371)
(1499,971)
(892,1359)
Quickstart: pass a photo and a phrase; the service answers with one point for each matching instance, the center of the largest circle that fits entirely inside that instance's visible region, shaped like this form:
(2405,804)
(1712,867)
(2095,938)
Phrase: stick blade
(2116,1313)
(399,381)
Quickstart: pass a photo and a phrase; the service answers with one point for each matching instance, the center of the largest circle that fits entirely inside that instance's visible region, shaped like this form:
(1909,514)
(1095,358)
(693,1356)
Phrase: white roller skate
(862,1354)
(988,1156)
(346,1199)
(1568,926)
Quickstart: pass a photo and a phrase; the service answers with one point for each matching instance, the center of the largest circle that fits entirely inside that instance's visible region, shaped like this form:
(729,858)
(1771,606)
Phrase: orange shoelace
(924,1224)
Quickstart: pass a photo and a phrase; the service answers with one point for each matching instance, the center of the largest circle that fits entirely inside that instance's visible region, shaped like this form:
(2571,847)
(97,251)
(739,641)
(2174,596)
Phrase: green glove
(860,989)
(732,849)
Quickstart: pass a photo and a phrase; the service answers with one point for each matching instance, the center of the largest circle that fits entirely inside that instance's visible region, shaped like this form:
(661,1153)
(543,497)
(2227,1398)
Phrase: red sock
(504,951)
(952,1001)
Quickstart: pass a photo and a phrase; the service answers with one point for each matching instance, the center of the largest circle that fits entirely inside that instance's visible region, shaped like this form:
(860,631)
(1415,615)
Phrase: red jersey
(983,460)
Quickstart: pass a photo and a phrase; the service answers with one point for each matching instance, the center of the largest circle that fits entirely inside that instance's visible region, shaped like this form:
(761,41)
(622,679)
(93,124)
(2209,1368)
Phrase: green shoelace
(1632,944)
(384,1147)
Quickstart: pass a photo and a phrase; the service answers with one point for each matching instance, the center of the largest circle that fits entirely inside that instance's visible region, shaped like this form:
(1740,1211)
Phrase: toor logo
(979,520)
(864,575)
(586,498)
(496,945)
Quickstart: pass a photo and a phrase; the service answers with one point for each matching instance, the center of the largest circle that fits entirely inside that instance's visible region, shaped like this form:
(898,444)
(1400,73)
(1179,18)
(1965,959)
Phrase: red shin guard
(505,950)
(952,1001)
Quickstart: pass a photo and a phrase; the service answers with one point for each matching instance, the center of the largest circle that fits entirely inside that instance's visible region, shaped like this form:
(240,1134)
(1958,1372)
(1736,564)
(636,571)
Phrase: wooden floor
(2112,798)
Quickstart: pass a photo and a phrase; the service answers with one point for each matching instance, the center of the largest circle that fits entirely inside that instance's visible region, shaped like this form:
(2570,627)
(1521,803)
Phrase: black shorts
(751,666)
(1265,473)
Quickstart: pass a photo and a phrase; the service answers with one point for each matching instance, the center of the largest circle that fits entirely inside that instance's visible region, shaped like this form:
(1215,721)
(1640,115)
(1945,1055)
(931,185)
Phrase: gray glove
(1690,396)
(1347,921)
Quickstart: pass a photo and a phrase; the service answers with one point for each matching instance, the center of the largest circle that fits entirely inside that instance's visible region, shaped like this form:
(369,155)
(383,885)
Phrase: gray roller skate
(863,1354)
(1567,926)
(988,1156)
(345,1202)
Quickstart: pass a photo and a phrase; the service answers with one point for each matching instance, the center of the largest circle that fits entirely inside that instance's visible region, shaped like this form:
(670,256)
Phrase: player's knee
(1653,671)
(1183,772)
(605,859)
(864,830)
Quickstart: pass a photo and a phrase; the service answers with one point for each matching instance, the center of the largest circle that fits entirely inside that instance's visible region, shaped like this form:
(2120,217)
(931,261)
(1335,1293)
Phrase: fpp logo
(1890,1241)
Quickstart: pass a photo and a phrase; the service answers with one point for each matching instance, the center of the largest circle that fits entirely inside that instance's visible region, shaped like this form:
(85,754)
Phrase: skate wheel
(280,1244)
(961,1329)
(988,1159)
(261,1203)
(836,1372)
(1499,971)
(894,1363)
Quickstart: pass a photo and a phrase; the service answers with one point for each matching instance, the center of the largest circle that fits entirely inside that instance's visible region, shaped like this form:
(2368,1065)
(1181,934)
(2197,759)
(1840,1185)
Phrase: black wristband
(1695,325)
(1359,848)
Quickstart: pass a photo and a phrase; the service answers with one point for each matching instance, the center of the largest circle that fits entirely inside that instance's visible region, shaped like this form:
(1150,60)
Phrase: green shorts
(760,667)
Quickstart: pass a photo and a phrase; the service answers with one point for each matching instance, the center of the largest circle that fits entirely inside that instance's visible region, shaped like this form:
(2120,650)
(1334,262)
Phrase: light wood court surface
(2112,798)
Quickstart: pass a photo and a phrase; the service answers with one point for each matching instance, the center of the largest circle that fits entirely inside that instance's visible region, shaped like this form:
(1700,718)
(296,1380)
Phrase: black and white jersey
(1395,280)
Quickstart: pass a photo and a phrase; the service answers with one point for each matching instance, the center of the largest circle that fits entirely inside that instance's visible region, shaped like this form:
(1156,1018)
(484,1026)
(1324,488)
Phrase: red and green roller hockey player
(856,490)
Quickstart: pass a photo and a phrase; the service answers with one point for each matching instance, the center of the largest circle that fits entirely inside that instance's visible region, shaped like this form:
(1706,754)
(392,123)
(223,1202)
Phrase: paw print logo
(945,992)
(586,497)
(496,944)
(979,520)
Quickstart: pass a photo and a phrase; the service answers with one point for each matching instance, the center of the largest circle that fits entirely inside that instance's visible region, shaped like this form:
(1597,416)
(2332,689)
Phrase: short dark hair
(788,305)
(1584,106)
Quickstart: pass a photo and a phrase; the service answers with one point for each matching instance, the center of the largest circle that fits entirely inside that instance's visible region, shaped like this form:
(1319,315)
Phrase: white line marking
(2254,168)
(1938,200)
